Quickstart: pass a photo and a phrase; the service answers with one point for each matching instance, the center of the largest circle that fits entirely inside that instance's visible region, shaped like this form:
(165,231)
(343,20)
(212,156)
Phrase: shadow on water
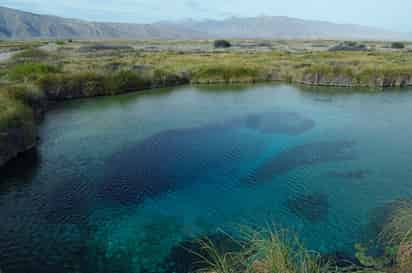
(220,88)
(335,90)
(19,171)
(149,168)
(103,103)
(303,155)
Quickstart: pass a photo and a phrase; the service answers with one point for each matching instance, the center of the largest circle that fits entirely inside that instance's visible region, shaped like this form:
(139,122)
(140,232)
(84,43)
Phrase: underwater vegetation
(189,150)
(302,155)
(289,123)
(356,174)
(312,207)
(93,248)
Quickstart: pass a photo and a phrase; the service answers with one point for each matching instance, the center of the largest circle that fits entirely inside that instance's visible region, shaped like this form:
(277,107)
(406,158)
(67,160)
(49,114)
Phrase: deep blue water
(118,182)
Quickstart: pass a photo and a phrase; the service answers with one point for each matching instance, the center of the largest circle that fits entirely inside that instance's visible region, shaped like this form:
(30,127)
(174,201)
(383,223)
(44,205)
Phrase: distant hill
(287,28)
(15,24)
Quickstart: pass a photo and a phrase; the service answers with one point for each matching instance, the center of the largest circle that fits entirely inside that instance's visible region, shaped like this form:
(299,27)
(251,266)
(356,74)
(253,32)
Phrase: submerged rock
(313,207)
(306,154)
(341,260)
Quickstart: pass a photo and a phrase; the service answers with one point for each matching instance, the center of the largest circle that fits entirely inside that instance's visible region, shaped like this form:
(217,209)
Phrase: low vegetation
(398,45)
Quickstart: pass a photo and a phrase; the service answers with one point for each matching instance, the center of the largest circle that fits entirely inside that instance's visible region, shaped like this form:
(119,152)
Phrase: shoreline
(19,143)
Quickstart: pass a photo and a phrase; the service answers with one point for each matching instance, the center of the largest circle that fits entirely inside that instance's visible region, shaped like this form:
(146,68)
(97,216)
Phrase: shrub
(222,44)
(398,45)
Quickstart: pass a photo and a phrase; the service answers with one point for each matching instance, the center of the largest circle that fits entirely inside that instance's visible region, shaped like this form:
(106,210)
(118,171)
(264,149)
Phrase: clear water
(143,172)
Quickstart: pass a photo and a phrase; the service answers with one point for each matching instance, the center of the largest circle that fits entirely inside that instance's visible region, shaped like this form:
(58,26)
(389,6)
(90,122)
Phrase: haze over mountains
(15,24)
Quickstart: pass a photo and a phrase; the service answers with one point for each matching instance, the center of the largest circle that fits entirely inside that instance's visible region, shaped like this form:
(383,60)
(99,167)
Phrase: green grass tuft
(263,251)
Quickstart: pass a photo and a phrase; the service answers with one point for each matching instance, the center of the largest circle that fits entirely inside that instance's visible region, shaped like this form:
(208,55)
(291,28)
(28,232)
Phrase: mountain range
(15,24)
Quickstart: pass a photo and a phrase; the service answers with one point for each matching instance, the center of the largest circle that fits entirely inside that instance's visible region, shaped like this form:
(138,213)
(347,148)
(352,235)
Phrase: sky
(393,15)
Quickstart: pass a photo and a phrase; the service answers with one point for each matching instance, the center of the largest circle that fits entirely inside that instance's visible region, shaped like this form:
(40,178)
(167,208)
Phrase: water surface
(117,182)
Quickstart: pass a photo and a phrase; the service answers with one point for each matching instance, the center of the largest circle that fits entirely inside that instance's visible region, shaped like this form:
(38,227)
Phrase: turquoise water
(118,182)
